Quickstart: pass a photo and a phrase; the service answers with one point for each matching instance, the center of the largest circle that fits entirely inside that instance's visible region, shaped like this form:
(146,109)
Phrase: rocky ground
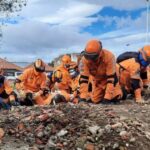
(76,127)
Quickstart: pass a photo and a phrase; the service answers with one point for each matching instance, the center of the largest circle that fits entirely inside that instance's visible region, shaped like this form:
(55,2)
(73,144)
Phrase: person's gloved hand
(37,94)
(45,92)
(81,100)
(29,95)
(58,98)
(14,103)
(105,101)
(75,101)
(146,92)
(29,99)
(140,101)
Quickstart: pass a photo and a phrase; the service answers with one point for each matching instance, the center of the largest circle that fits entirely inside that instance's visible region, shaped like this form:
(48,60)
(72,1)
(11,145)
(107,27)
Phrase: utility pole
(147,22)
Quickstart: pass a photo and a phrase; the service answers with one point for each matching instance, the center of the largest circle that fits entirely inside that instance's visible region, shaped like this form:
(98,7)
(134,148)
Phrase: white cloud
(119,4)
(73,13)
(53,27)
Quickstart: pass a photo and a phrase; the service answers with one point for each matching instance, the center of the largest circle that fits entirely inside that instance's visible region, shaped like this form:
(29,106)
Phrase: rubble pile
(78,127)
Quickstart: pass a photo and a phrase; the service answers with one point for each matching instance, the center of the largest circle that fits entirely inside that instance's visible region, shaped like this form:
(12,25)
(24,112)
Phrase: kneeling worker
(31,85)
(99,65)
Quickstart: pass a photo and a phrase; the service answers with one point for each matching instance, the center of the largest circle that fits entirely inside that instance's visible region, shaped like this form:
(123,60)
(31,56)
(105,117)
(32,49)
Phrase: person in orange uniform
(32,84)
(66,79)
(132,72)
(99,65)
(7,95)
(62,95)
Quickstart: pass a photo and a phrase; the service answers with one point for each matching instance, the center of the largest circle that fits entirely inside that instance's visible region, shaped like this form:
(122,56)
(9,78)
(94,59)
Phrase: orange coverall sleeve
(43,83)
(135,71)
(9,90)
(84,79)
(22,78)
(7,87)
(110,72)
(144,76)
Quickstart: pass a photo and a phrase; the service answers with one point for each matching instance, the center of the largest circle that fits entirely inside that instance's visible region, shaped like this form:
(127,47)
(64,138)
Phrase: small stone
(80,142)
(108,128)
(100,132)
(62,133)
(147,135)
(94,129)
(40,134)
(1,133)
(51,144)
(132,140)
(124,134)
(117,125)
(144,111)
(90,139)
(116,145)
(89,147)
(123,118)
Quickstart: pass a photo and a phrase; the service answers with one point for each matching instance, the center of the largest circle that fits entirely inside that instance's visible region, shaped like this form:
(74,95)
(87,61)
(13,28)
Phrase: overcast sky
(47,28)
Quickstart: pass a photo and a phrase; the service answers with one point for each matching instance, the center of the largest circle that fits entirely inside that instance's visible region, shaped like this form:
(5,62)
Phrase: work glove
(105,101)
(37,94)
(81,100)
(58,99)
(109,91)
(29,99)
(108,102)
(140,101)
(45,92)
(146,92)
(14,103)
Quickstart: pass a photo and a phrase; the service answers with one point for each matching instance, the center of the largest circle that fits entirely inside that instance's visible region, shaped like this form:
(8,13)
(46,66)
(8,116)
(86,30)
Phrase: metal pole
(147,23)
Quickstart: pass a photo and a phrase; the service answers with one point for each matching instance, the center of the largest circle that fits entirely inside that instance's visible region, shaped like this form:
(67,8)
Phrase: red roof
(7,65)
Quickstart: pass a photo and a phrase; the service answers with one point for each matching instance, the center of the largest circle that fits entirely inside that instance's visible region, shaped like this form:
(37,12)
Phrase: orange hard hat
(93,46)
(66,59)
(57,76)
(39,65)
(146,52)
(92,49)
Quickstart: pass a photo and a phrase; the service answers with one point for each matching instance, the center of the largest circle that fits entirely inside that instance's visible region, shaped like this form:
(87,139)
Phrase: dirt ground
(85,126)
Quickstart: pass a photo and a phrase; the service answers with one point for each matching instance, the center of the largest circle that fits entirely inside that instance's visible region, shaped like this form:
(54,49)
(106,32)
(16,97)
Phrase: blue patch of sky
(100,27)
(9,20)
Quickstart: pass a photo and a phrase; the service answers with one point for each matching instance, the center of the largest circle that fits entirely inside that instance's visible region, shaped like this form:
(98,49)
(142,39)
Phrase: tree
(8,7)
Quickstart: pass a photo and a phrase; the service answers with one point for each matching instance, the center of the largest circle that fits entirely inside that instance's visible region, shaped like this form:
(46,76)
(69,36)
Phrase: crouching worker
(7,95)
(31,85)
(132,71)
(99,65)
(60,80)
(62,95)
(59,91)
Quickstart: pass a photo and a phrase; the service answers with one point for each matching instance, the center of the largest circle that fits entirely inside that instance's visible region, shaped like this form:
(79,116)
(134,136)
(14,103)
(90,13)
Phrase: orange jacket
(66,79)
(75,83)
(130,70)
(32,80)
(8,89)
(102,71)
